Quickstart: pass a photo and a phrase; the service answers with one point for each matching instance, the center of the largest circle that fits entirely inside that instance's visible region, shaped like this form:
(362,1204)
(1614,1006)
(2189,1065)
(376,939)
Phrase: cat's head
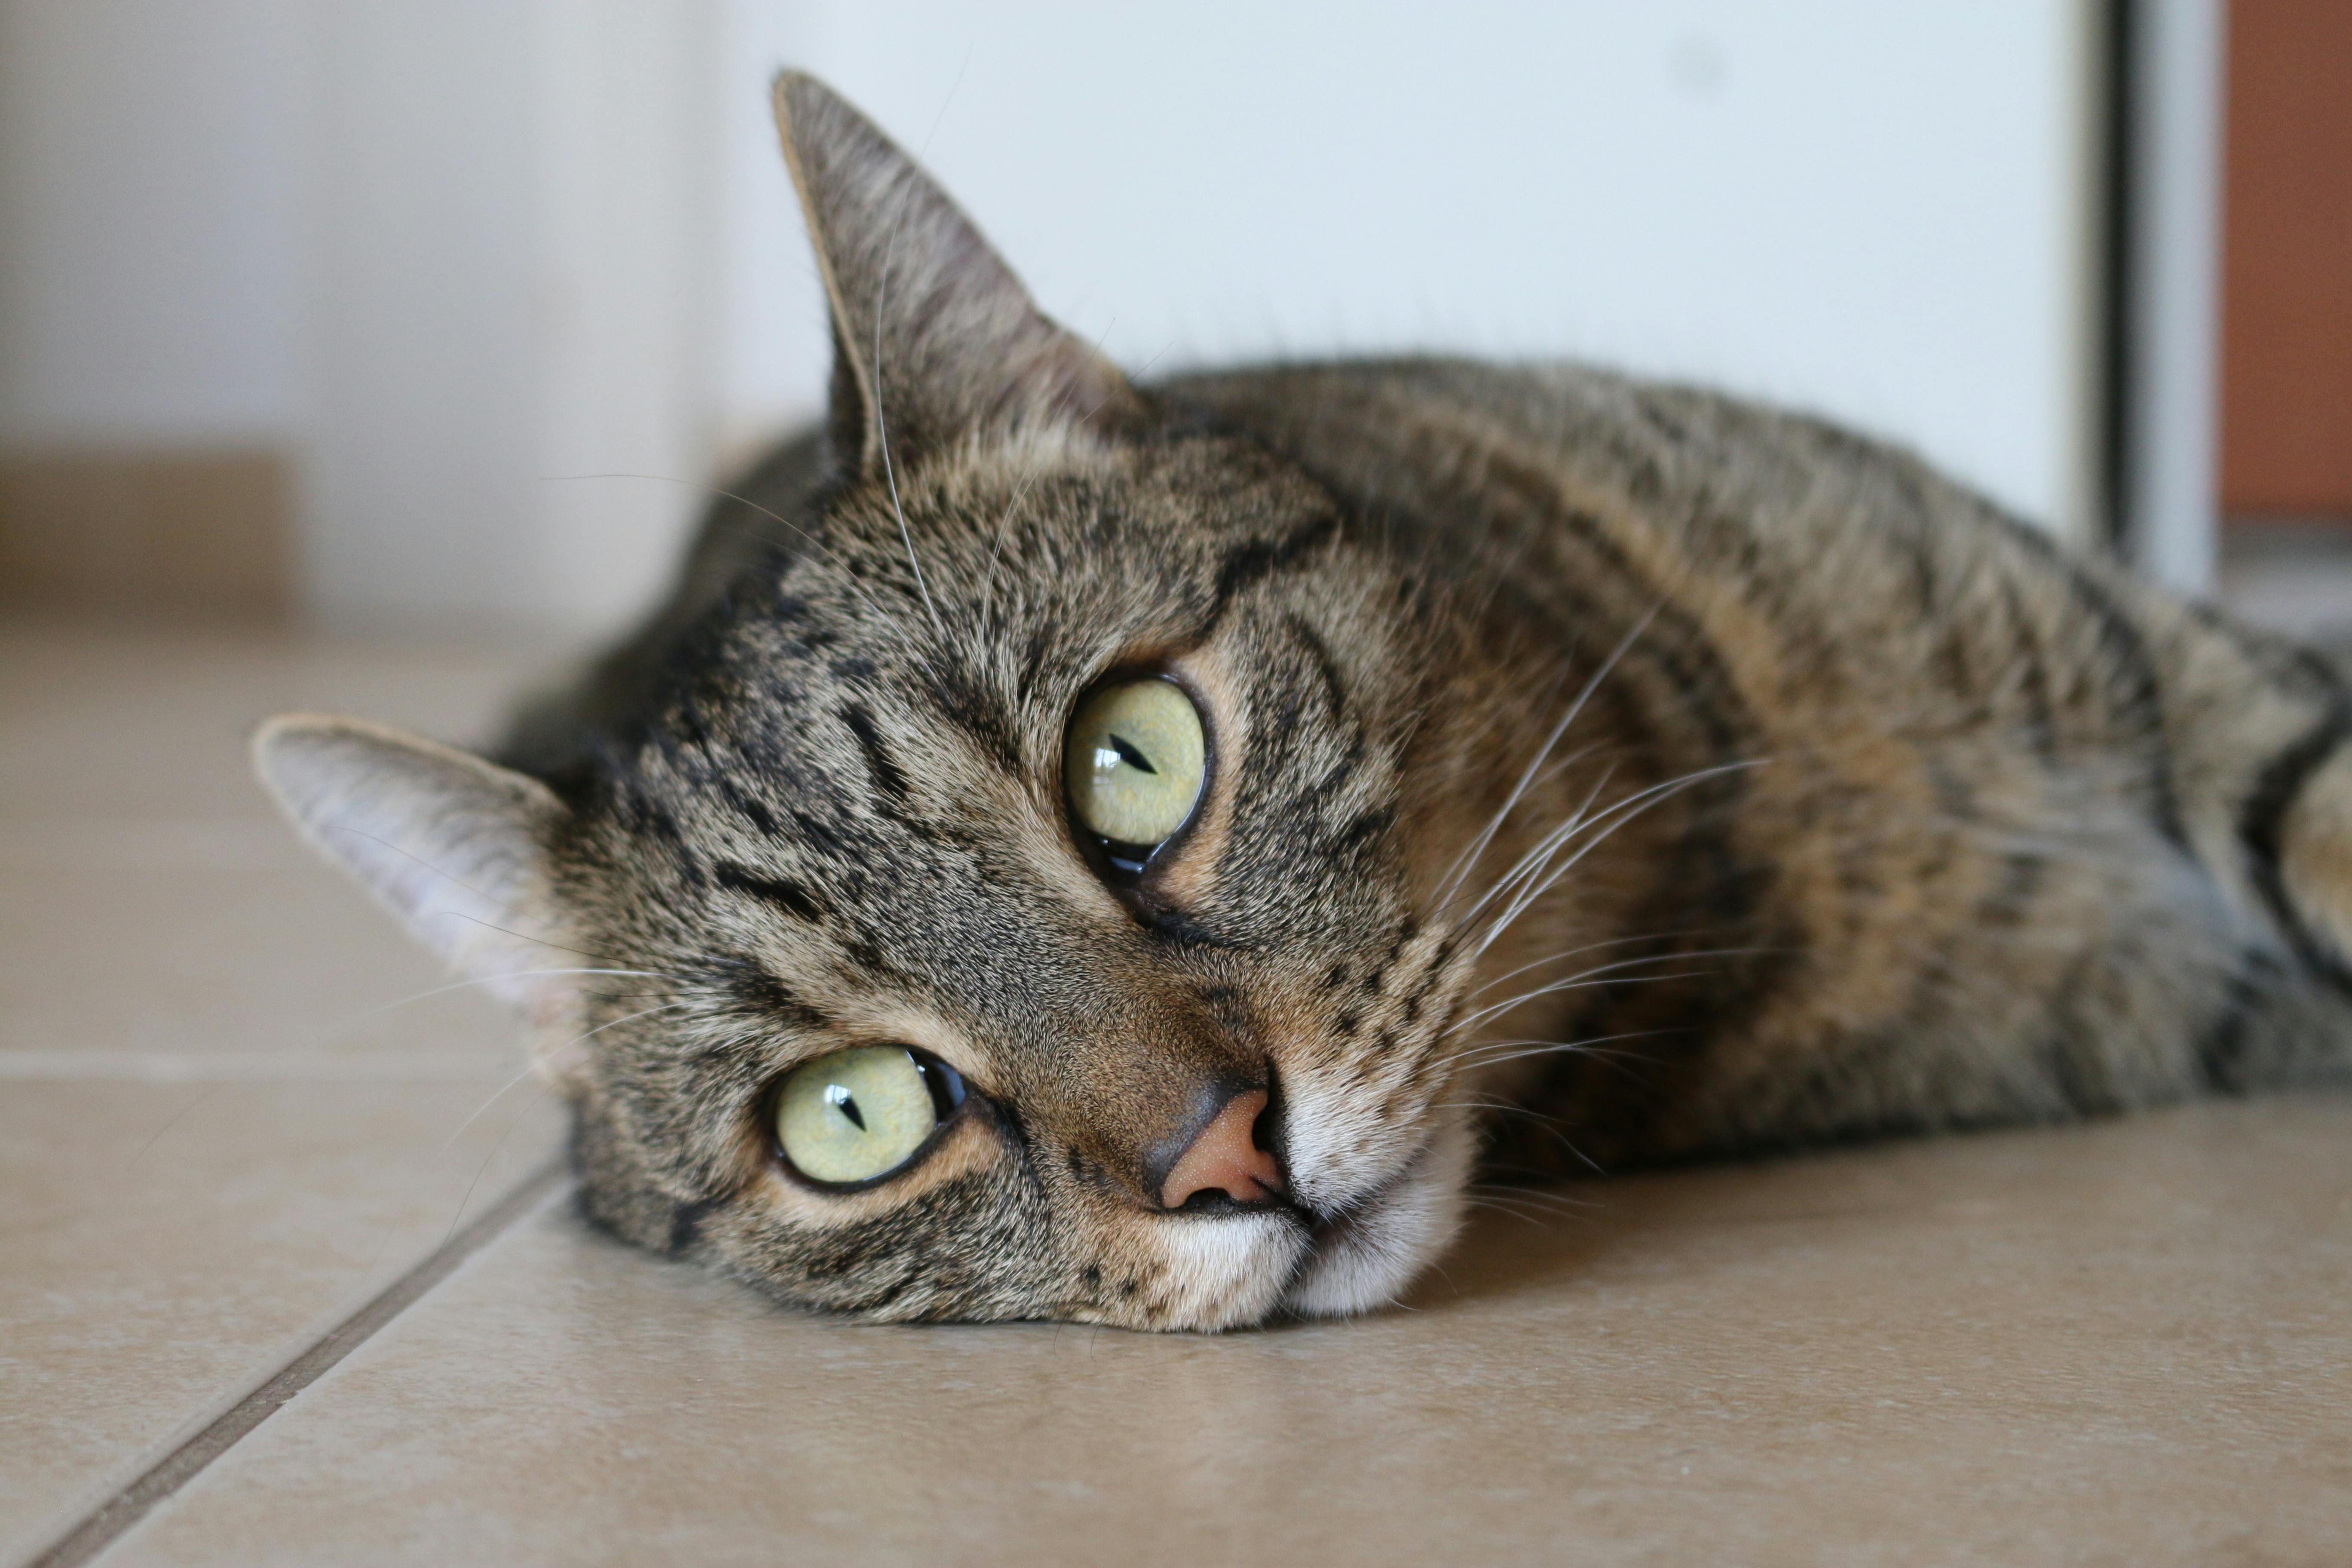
(1023,898)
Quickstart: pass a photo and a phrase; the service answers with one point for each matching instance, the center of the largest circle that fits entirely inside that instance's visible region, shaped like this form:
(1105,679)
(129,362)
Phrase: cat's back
(1787,535)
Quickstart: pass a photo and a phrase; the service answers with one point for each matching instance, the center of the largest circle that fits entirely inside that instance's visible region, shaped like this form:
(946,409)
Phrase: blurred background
(433,316)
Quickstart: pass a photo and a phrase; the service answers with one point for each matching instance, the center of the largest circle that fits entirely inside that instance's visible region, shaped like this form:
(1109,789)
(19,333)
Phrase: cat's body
(2002,851)
(1596,773)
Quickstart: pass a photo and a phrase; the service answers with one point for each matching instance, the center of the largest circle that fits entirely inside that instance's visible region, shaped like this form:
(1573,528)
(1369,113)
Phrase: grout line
(111,1518)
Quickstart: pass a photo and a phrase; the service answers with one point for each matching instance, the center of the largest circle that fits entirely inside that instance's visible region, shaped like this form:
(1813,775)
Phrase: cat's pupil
(840,1098)
(1130,755)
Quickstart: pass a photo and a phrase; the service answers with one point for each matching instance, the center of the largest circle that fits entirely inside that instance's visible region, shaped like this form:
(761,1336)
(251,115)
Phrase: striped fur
(1603,773)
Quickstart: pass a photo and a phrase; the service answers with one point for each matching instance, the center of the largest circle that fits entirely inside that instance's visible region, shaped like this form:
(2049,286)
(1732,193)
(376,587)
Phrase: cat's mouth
(1329,1234)
(1361,1256)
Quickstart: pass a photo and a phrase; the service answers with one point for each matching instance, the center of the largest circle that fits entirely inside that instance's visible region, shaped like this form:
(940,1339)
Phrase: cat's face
(1024,898)
(855,825)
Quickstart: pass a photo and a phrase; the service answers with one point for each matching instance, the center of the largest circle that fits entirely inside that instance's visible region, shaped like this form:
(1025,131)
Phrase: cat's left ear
(457,848)
(934,335)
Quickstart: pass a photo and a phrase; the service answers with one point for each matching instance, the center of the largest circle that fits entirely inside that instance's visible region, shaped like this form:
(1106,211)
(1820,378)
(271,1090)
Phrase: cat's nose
(1224,1156)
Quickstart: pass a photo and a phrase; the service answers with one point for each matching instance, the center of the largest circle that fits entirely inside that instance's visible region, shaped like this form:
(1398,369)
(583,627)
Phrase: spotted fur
(1602,773)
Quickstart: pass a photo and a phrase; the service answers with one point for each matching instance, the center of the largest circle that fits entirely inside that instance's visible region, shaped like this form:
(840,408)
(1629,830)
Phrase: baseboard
(205,534)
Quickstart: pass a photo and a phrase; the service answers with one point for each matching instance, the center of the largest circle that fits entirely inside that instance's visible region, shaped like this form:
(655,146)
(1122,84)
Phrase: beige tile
(2129,1343)
(216,1139)
(265,963)
(150,903)
(121,725)
(163,1248)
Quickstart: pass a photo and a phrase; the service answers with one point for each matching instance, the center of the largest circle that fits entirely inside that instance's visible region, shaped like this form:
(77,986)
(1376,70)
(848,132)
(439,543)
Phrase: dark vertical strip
(2119,173)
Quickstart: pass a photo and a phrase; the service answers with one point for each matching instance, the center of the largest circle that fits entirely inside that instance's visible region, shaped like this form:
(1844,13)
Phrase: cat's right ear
(454,847)
(933,336)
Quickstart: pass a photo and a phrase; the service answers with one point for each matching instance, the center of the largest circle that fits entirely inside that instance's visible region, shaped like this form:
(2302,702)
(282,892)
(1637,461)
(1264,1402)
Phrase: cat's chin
(1363,1259)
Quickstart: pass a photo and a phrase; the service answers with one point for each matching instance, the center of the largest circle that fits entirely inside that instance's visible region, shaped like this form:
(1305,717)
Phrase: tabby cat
(1138,854)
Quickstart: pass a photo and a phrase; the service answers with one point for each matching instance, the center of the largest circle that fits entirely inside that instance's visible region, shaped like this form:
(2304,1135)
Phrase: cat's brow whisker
(454,881)
(1005,519)
(625,1018)
(995,567)
(201,1096)
(706,487)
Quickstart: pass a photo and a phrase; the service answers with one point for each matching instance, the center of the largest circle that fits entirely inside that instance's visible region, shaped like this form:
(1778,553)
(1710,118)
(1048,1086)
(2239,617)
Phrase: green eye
(1134,763)
(860,1114)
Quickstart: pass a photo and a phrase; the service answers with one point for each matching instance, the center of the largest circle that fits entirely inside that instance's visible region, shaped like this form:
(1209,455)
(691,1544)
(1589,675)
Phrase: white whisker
(1569,1048)
(1470,857)
(1531,863)
(1590,978)
(486,1160)
(1558,1202)
(1624,811)
(572,1044)
(1573,952)
(516,975)
(1498,1205)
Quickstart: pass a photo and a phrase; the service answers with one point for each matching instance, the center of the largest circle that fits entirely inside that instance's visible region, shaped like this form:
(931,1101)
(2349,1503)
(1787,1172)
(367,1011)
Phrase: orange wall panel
(2286,338)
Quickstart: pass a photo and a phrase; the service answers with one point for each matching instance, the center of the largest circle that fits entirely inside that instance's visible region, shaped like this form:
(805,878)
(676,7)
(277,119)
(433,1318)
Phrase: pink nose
(1225,1157)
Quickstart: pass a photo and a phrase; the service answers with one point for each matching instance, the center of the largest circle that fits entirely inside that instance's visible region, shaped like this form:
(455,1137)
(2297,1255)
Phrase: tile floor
(223,1133)
(222,1128)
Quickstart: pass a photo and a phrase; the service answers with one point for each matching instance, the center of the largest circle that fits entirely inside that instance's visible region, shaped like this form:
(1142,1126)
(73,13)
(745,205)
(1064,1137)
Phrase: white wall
(510,302)
(1877,210)
(449,250)
(443,253)
(149,222)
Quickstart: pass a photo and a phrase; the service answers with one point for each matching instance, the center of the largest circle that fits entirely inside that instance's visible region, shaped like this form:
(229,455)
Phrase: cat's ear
(454,845)
(932,334)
